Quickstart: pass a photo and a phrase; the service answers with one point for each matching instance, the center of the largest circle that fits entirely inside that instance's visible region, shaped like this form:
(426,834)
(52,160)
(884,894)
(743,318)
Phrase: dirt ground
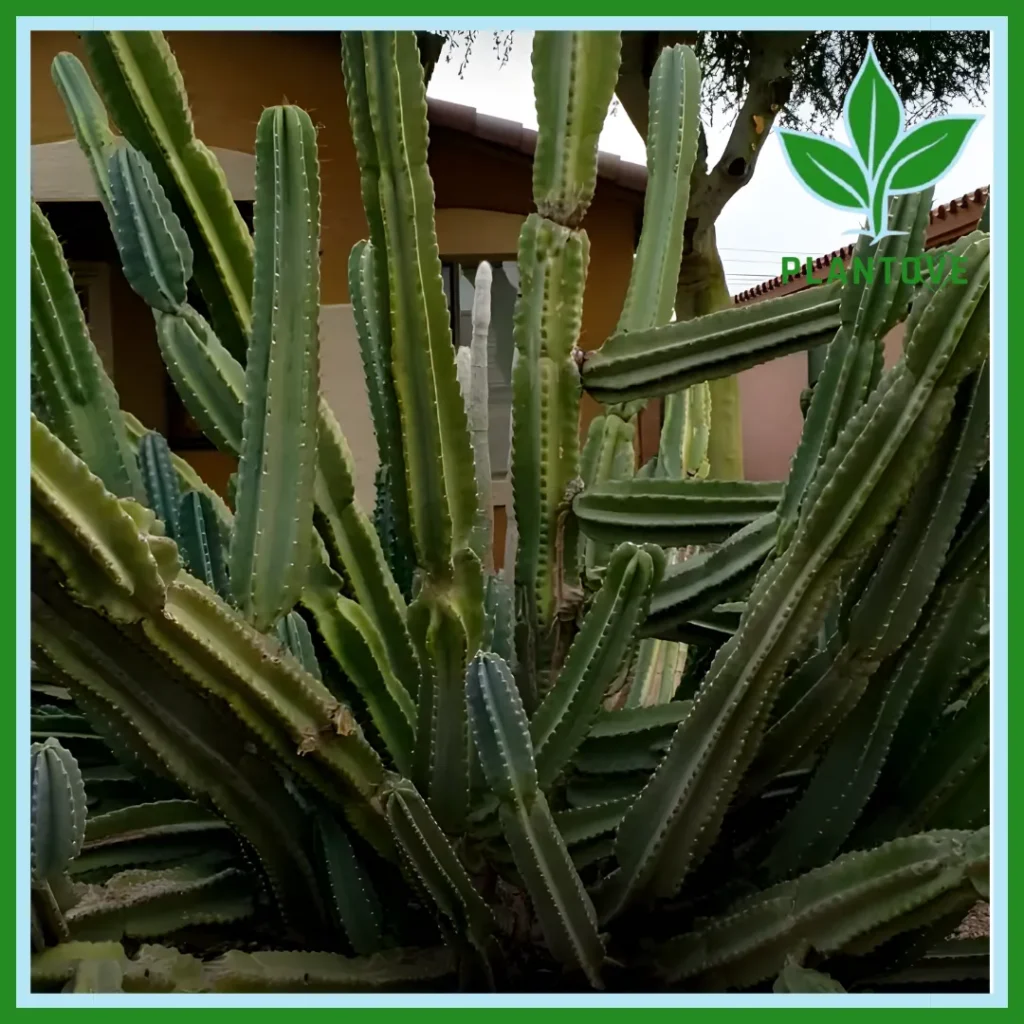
(975,924)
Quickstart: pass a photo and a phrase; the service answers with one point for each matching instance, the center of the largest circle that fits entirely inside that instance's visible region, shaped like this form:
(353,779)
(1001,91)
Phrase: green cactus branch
(665,359)
(270,547)
(141,85)
(78,395)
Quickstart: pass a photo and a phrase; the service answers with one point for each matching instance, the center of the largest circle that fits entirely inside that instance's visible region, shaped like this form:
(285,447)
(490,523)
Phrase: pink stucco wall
(770,401)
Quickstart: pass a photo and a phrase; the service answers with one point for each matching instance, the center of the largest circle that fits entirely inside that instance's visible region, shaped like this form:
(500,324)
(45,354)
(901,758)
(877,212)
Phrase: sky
(770,217)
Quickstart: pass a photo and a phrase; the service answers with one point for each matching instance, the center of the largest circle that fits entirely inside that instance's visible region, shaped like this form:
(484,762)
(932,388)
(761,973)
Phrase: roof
(515,136)
(946,223)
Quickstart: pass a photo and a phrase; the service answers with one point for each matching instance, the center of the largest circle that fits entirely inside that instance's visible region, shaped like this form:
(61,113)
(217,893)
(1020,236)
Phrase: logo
(884,159)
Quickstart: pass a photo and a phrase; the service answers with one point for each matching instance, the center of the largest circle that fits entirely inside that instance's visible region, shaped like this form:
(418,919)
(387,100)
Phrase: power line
(761,263)
(743,248)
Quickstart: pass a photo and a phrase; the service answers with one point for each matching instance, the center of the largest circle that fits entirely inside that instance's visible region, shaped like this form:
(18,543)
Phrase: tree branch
(640,50)
(430,45)
(769,83)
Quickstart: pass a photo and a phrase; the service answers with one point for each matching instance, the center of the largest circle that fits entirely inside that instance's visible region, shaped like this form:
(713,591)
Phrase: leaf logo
(884,160)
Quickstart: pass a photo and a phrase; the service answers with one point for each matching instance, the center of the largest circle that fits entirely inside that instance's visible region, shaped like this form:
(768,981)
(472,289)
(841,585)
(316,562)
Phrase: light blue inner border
(999,433)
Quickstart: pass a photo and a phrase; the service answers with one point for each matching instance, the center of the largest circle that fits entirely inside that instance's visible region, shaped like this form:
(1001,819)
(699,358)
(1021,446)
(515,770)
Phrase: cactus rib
(661,360)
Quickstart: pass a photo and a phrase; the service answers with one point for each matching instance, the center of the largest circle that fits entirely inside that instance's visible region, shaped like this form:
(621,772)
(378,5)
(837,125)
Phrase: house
(482,171)
(770,393)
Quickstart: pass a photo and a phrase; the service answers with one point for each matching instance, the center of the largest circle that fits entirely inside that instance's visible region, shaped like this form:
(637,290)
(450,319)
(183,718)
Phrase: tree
(795,78)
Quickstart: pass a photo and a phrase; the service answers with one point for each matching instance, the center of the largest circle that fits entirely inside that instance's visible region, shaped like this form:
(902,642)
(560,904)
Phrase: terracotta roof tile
(515,136)
(941,213)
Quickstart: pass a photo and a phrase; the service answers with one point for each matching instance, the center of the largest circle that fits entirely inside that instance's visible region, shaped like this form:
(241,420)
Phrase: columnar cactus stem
(141,84)
(475,386)
(574,78)
(270,547)
(385,83)
(79,397)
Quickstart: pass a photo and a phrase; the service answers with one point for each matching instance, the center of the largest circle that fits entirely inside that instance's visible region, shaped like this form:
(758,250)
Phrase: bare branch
(769,83)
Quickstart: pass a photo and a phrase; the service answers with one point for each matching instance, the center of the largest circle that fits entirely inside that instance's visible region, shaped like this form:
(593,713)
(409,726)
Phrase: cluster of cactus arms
(698,734)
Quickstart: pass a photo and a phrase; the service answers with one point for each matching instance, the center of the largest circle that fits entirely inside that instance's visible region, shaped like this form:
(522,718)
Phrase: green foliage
(702,734)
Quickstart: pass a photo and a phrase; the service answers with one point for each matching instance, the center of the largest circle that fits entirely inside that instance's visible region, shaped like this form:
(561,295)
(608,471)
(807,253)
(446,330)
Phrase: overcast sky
(771,217)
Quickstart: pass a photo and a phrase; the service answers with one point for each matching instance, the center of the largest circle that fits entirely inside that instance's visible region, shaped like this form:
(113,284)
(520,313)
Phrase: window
(459,277)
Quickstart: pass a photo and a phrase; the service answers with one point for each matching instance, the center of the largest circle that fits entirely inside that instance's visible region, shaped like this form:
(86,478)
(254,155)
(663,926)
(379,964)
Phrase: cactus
(58,830)
(155,251)
(58,809)
(700,734)
(141,86)
(162,488)
(200,542)
(473,382)
(78,396)
(661,360)
(755,939)
(270,547)
(155,969)
(503,741)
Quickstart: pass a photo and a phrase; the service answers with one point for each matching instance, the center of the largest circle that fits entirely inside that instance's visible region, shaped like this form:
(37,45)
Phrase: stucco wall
(770,404)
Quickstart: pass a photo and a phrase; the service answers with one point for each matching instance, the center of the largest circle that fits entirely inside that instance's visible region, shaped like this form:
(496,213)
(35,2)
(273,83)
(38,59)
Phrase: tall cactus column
(474,383)
(387,110)
(271,547)
(574,77)
(671,152)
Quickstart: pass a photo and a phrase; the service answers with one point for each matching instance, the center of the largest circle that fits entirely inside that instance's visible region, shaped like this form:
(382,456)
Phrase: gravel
(975,924)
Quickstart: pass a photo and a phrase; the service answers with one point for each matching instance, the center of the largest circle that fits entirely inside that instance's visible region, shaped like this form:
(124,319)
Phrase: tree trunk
(703,290)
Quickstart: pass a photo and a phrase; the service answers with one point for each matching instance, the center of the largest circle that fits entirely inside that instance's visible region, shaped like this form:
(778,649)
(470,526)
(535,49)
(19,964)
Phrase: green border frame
(467,12)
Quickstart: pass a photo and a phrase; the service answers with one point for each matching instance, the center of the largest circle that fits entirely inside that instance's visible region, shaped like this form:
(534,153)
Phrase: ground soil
(975,924)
